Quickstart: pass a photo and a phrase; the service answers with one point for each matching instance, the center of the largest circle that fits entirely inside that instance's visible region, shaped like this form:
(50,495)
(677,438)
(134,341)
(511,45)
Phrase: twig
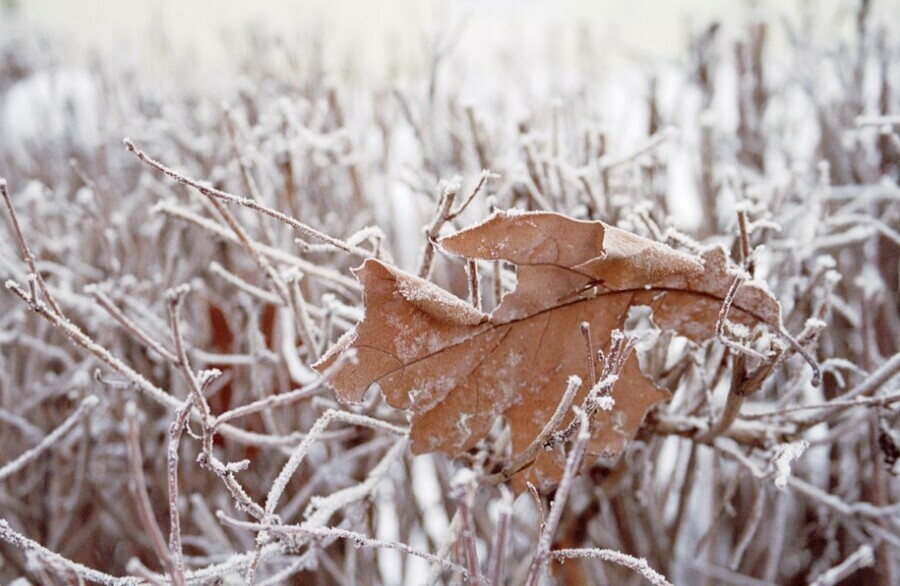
(746,251)
(357,539)
(243,285)
(79,338)
(722,321)
(128,324)
(849,219)
(251,246)
(359,193)
(246,202)
(175,431)
(474,285)
(834,404)
(315,431)
(639,565)
(589,350)
(301,316)
(244,165)
(863,557)
(273,401)
(482,148)
(18,540)
(138,488)
(528,454)
(652,143)
(175,297)
(465,485)
(482,180)
(573,464)
(26,250)
(750,528)
(882,375)
(443,552)
(87,405)
(599,396)
(497,561)
(305,266)
(449,191)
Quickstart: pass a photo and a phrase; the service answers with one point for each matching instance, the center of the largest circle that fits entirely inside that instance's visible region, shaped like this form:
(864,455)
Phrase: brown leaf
(457,369)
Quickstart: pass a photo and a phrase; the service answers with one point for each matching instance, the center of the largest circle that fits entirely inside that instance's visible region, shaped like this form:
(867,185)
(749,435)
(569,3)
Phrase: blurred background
(518,56)
(378,39)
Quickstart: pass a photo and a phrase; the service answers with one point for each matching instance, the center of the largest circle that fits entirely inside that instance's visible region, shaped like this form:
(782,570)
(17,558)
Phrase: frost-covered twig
(170,559)
(175,297)
(573,464)
(273,401)
(608,555)
(355,538)
(497,562)
(651,143)
(722,321)
(883,375)
(81,339)
(301,317)
(172,458)
(786,455)
(858,219)
(84,408)
(26,250)
(305,266)
(263,295)
(528,454)
(751,526)
(20,541)
(449,191)
(129,325)
(465,485)
(246,202)
(474,284)
(299,454)
(600,395)
(863,557)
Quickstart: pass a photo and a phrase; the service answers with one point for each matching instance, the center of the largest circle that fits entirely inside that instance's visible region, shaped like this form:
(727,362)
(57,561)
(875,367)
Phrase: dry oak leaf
(457,369)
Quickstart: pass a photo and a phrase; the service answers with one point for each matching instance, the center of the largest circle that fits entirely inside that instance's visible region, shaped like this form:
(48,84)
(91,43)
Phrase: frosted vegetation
(165,300)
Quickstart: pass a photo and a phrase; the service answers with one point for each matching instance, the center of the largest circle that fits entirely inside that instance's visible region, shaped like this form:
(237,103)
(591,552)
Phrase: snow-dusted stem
(175,297)
(273,401)
(129,325)
(528,454)
(465,485)
(356,538)
(175,432)
(497,561)
(26,250)
(138,488)
(639,565)
(300,453)
(573,464)
(18,540)
(246,202)
(86,406)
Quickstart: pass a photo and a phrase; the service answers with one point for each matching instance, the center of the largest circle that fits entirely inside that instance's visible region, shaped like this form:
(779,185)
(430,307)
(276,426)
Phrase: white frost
(606,403)
(786,455)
